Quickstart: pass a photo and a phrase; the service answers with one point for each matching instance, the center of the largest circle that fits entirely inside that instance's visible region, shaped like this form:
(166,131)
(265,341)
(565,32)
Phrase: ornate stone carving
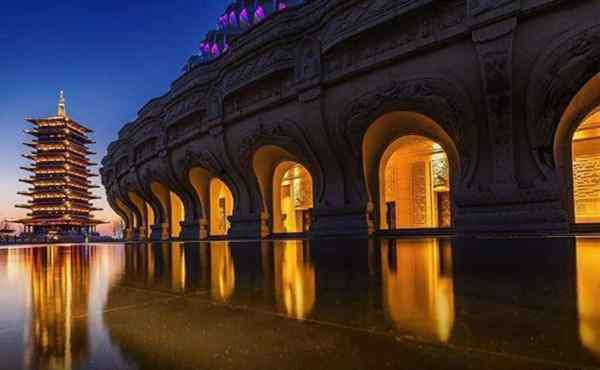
(308,61)
(557,77)
(494,48)
(479,7)
(204,159)
(401,40)
(215,104)
(434,97)
(362,14)
(261,66)
(192,102)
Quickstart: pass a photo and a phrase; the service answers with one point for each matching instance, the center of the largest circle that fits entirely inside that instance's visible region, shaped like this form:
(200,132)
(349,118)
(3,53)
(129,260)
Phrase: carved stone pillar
(494,44)
(160,232)
(142,233)
(195,230)
(128,235)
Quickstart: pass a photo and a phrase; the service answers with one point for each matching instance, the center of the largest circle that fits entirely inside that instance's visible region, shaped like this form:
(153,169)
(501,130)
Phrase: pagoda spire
(62,111)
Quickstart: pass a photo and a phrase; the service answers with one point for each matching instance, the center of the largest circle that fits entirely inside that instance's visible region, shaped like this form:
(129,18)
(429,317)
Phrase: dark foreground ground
(335,304)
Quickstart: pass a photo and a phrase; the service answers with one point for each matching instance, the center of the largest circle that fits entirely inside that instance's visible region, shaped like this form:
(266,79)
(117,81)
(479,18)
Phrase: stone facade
(504,82)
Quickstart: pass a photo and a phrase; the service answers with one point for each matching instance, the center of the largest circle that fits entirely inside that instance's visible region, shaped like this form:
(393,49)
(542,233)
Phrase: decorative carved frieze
(194,102)
(245,99)
(561,72)
(391,42)
(437,98)
(494,49)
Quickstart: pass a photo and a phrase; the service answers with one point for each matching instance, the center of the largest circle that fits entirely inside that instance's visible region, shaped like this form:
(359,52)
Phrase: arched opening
(414,185)
(292,198)
(409,164)
(146,212)
(287,188)
(418,288)
(172,207)
(577,154)
(221,207)
(131,221)
(586,170)
(177,214)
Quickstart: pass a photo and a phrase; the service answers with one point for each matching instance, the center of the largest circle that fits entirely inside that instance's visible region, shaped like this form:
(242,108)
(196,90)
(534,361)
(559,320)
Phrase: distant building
(61,200)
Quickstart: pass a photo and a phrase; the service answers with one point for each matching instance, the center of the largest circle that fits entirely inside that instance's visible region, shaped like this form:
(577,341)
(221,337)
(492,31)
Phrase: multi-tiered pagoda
(61,200)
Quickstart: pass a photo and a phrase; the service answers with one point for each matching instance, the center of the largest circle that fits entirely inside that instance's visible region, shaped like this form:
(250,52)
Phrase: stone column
(160,232)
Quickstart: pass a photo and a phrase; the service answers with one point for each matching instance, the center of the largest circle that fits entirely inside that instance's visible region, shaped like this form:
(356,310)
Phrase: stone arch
(270,163)
(560,73)
(380,142)
(146,212)
(221,204)
(130,220)
(172,206)
(288,136)
(430,101)
(563,91)
(121,212)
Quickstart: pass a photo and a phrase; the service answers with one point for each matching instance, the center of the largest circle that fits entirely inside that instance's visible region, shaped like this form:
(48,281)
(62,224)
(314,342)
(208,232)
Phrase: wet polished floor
(331,304)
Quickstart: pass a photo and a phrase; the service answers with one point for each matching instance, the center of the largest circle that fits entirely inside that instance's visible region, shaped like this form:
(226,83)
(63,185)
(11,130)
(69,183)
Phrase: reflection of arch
(146,212)
(383,134)
(172,207)
(418,292)
(295,282)
(221,207)
(588,287)
(222,271)
(271,165)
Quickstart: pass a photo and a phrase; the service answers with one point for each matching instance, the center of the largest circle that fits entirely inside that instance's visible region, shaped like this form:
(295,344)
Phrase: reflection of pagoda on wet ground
(60,283)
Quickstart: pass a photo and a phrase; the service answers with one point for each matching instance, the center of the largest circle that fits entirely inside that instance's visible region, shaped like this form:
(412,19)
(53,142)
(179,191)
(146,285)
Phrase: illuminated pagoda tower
(61,200)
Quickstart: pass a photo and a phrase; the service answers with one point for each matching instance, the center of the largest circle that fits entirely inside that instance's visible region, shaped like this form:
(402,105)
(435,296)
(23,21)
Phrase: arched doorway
(414,185)
(410,164)
(576,156)
(177,214)
(221,207)
(287,188)
(292,198)
(172,208)
(585,153)
(146,212)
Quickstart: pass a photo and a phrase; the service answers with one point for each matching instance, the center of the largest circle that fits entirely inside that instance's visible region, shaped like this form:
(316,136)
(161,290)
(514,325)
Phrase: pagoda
(60,198)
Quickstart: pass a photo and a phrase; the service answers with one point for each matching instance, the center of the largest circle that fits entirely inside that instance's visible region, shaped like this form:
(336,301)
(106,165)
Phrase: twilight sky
(110,57)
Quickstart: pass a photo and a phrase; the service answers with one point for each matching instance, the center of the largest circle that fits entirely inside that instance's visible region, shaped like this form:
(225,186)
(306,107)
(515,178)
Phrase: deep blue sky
(110,57)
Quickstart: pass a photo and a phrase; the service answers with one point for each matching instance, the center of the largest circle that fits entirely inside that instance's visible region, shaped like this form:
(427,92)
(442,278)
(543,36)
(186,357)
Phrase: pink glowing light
(244,17)
(282,6)
(215,50)
(232,19)
(259,14)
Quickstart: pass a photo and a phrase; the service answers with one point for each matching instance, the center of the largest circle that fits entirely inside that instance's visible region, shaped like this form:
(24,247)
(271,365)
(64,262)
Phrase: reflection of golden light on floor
(295,283)
(178,271)
(418,290)
(415,184)
(222,271)
(296,197)
(586,170)
(588,290)
(221,207)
